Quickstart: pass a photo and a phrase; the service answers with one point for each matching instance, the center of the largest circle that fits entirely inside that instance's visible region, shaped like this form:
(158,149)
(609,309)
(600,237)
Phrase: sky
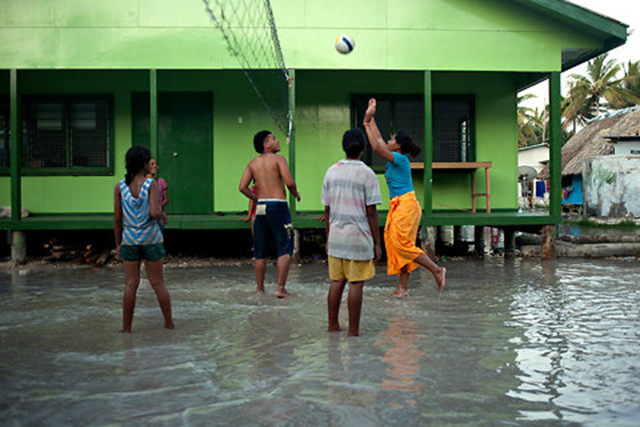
(625,11)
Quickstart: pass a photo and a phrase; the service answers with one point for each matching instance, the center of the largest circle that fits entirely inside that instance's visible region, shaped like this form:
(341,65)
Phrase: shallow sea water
(508,343)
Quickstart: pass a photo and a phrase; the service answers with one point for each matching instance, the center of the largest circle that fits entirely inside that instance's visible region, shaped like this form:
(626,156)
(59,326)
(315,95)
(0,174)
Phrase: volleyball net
(249,30)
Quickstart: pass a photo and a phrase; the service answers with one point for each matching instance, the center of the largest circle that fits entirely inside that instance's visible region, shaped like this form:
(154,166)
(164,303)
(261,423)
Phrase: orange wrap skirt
(400,233)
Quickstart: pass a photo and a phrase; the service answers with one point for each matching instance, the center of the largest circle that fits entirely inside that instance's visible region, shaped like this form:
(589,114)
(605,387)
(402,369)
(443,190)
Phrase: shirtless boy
(273,220)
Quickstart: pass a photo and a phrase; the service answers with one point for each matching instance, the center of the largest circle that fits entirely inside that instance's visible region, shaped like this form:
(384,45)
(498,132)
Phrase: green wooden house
(81,82)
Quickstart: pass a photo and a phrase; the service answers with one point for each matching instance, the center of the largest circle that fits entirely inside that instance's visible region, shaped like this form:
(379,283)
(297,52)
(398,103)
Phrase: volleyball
(345,43)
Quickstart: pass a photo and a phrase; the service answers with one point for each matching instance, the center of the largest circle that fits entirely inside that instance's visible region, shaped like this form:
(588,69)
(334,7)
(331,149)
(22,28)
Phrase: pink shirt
(162,186)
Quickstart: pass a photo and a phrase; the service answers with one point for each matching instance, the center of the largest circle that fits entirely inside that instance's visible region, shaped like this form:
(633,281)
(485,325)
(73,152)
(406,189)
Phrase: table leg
(488,189)
(473,191)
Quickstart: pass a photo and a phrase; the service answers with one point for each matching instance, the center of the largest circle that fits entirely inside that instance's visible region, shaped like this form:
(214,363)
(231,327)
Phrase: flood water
(510,343)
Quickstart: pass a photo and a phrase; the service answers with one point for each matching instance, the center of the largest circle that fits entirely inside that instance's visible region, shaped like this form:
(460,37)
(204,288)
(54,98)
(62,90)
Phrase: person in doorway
(138,236)
(401,228)
(163,192)
(350,193)
(273,220)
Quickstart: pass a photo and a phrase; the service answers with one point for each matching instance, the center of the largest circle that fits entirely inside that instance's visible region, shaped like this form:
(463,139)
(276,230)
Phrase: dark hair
(353,143)
(258,140)
(406,143)
(135,159)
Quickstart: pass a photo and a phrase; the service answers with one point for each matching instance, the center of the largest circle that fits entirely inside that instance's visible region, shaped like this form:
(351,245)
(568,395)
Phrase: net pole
(292,136)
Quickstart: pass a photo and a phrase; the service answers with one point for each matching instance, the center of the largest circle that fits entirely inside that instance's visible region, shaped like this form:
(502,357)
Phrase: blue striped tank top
(139,227)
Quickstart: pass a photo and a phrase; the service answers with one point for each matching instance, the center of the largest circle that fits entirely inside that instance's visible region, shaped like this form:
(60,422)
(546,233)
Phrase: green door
(185,146)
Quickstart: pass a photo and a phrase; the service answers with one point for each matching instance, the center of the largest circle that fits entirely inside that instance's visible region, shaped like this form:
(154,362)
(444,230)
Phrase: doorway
(185,146)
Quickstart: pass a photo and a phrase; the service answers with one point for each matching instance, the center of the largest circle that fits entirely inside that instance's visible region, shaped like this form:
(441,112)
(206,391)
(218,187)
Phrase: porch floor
(303,220)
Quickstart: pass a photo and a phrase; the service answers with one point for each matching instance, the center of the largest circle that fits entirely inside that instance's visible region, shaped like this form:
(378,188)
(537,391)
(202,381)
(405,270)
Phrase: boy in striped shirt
(350,194)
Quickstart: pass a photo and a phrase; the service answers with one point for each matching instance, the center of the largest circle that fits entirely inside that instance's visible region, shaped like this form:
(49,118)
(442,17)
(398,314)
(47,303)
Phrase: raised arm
(287,178)
(373,133)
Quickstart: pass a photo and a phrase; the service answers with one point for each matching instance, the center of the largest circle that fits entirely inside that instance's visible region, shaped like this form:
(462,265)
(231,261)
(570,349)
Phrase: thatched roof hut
(592,140)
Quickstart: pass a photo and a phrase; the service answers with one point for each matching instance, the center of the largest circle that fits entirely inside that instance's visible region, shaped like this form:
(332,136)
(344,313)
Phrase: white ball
(345,43)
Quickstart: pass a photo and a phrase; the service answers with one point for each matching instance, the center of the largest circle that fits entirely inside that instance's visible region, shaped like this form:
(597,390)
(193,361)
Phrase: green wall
(482,35)
(483,48)
(234,102)
(322,112)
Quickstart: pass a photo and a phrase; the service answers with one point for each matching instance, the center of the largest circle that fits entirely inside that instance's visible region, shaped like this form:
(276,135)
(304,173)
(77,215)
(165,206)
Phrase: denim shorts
(272,227)
(140,252)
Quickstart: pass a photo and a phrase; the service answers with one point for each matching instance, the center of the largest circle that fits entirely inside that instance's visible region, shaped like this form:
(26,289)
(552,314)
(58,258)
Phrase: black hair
(258,140)
(353,143)
(406,143)
(135,160)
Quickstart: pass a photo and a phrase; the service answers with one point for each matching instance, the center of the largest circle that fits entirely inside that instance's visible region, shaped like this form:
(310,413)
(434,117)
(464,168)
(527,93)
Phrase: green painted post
(292,136)
(428,148)
(14,144)
(153,112)
(555,149)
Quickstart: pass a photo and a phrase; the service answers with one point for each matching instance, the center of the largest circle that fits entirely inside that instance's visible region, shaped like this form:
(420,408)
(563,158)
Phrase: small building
(594,178)
(536,156)
(625,145)
(532,158)
(612,183)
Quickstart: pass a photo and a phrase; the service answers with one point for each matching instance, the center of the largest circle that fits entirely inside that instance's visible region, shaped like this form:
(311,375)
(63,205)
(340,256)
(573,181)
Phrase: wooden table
(466,167)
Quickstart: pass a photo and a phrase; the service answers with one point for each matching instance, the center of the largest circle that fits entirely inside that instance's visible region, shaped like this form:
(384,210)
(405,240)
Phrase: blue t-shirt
(398,175)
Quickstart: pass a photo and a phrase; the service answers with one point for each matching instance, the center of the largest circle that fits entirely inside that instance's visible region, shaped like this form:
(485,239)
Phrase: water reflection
(403,357)
(517,342)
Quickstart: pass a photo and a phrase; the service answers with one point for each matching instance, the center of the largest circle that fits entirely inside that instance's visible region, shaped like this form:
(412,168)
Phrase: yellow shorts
(351,270)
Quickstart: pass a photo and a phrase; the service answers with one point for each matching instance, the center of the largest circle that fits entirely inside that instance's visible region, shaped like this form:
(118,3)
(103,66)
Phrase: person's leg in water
(333,304)
(439,273)
(261,270)
(155,276)
(354,304)
(284,262)
(401,290)
(131,283)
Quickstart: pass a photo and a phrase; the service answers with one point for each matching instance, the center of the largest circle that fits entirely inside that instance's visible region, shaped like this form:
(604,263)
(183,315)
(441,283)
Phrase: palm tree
(526,127)
(541,120)
(631,80)
(586,93)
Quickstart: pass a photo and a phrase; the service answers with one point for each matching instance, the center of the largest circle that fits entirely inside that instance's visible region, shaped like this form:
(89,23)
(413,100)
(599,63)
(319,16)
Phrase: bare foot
(400,293)
(169,325)
(334,329)
(260,291)
(282,294)
(354,334)
(441,277)
(125,331)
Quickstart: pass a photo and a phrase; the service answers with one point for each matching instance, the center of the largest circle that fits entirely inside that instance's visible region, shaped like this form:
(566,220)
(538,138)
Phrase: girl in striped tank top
(137,233)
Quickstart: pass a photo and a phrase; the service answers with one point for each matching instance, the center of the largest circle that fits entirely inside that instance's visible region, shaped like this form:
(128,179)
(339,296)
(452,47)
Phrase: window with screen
(452,124)
(452,129)
(67,135)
